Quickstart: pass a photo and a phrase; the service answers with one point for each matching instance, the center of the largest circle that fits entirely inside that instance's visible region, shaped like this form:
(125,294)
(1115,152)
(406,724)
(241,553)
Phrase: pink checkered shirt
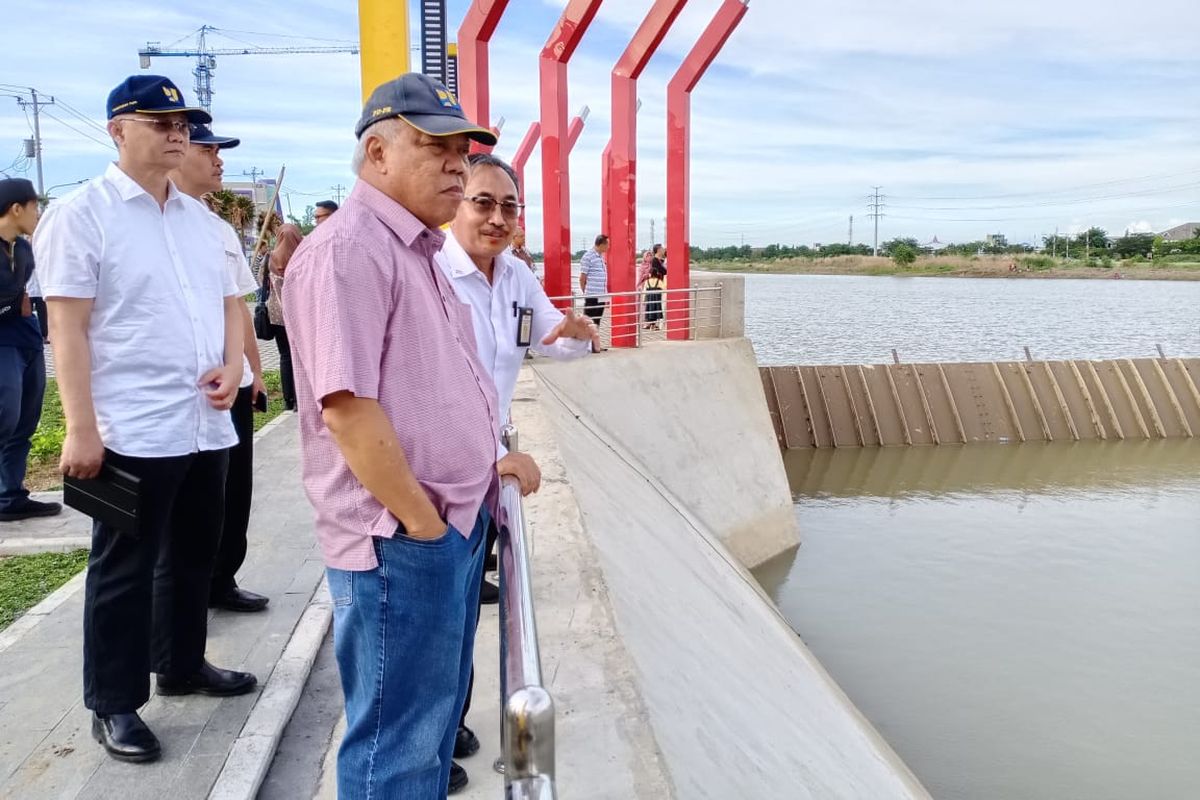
(368,312)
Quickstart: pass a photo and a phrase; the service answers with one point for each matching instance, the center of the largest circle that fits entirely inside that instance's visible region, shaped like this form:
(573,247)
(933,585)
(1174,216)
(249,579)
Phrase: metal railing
(633,318)
(527,725)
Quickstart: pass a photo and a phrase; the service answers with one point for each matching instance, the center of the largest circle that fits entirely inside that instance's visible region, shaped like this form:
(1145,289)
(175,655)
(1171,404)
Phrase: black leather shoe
(489,594)
(30,509)
(125,737)
(236,599)
(458,779)
(209,680)
(466,743)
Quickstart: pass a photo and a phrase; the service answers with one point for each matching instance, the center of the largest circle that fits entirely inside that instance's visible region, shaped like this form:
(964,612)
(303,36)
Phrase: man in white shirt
(199,174)
(511,314)
(147,336)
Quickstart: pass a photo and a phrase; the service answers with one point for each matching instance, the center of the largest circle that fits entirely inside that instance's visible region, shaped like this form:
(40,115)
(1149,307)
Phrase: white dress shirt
(239,272)
(158,280)
(514,286)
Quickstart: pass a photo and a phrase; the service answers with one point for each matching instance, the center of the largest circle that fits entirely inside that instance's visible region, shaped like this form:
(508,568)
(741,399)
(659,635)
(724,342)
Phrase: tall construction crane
(206,57)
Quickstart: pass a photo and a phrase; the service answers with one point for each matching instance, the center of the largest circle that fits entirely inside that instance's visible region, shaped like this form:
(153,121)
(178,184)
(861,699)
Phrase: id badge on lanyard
(524,327)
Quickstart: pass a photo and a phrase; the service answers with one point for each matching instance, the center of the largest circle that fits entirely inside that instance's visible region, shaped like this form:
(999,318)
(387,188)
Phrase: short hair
(488,160)
(601,239)
(386,129)
(328,205)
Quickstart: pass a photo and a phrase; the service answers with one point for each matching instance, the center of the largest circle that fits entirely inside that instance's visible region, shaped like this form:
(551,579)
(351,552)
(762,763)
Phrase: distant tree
(889,246)
(1137,244)
(903,253)
(307,222)
(1093,238)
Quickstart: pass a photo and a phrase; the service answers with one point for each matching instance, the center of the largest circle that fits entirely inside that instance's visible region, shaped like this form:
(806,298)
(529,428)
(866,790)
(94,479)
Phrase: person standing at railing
(511,314)
(593,280)
(398,421)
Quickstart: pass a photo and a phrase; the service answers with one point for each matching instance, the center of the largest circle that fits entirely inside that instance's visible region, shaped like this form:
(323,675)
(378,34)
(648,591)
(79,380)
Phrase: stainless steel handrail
(527,728)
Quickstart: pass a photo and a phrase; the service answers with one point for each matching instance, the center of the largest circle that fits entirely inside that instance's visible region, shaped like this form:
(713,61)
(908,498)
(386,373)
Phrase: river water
(1020,622)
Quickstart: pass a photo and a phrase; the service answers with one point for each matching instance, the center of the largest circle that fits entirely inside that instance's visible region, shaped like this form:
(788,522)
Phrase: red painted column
(473,36)
(556,169)
(679,113)
(525,149)
(521,157)
(621,170)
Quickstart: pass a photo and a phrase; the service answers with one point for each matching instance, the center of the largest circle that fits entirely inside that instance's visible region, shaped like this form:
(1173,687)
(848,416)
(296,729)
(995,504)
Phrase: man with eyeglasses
(324,211)
(147,333)
(510,314)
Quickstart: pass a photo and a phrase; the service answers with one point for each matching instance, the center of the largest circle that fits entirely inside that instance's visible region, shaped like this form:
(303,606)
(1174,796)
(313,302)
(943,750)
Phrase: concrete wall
(732,307)
(695,415)
(657,446)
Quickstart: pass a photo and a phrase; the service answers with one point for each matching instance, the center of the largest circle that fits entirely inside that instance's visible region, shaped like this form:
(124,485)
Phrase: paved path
(70,530)
(46,750)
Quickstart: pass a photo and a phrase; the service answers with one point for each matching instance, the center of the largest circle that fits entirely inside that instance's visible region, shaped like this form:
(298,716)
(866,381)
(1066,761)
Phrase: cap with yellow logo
(424,103)
(152,94)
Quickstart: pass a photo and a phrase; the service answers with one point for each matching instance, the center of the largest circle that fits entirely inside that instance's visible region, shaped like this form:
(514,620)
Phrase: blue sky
(1018,118)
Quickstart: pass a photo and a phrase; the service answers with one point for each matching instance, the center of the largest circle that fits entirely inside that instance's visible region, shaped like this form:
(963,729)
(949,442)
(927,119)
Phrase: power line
(1057,203)
(84,134)
(1068,190)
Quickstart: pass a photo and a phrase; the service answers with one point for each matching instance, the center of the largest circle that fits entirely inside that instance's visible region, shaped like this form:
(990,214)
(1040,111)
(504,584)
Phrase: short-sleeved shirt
(16,271)
(370,313)
(596,270)
(494,309)
(158,282)
(239,272)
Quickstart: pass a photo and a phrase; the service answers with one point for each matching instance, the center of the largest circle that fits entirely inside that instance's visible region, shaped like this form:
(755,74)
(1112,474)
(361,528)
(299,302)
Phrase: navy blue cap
(15,190)
(424,103)
(152,94)
(202,134)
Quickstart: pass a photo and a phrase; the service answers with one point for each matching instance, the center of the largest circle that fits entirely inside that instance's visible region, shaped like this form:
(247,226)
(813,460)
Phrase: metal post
(679,154)
(37,139)
(556,169)
(622,158)
(383,42)
(474,35)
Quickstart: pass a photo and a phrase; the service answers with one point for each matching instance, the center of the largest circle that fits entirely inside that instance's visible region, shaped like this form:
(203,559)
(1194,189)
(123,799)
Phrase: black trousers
(287,381)
(145,602)
(239,490)
(594,308)
(492,535)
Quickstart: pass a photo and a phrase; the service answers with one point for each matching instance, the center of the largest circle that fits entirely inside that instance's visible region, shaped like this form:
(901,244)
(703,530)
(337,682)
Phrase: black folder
(113,497)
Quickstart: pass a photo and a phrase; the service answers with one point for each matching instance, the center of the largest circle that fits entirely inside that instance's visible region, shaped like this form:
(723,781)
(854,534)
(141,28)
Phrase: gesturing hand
(573,326)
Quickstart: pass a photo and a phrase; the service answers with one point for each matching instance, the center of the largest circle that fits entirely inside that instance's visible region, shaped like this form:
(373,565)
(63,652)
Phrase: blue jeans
(404,636)
(22,386)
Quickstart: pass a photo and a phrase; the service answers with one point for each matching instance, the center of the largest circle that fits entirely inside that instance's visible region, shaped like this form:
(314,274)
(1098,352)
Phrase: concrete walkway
(68,531)
(46,749)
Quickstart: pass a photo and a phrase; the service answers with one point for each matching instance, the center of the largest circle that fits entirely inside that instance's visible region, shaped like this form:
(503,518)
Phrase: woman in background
(275,264)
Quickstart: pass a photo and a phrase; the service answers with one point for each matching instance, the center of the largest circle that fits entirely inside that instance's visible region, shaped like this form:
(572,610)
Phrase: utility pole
(36,104)
(875,205)
(850,237)
(338,190)
(652,239)
(1054,244)
(253,172)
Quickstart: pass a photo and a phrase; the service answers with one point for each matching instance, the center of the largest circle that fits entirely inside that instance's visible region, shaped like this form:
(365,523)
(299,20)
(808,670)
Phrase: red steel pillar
(622,172)
(556,169)
(525,149)
(679,111)
(473,36)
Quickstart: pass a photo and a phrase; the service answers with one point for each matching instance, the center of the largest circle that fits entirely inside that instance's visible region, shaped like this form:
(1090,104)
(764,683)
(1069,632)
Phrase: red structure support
(679,113)
(556,169)
(474,34)
(521,157)
(621,158)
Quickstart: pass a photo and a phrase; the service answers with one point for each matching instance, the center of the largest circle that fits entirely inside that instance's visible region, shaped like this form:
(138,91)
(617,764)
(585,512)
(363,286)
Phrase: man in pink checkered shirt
(398,423)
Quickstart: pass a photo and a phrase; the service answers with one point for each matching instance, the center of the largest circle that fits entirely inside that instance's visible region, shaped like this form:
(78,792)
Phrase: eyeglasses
(164,126)
(486,205)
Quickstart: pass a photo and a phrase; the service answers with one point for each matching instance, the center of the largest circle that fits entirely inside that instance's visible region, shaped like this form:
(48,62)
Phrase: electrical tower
(876,205)
(206,58)
(850,237)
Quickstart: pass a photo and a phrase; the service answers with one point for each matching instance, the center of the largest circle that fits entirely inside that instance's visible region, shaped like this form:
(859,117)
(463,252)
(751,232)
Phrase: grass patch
(47,441)
(25,580)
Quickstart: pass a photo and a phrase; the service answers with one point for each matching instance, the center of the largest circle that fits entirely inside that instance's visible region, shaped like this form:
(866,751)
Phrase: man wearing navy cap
(146,327)
(398,421)
(22,363)
(199,174)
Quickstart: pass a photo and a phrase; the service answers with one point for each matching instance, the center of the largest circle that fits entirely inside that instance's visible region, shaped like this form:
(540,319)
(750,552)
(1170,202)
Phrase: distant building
(1180,233)
(997,240)
(258,191)
(934,245)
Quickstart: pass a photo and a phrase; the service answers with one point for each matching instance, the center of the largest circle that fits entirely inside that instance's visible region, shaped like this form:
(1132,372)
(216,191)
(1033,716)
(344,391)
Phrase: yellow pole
(383,41)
